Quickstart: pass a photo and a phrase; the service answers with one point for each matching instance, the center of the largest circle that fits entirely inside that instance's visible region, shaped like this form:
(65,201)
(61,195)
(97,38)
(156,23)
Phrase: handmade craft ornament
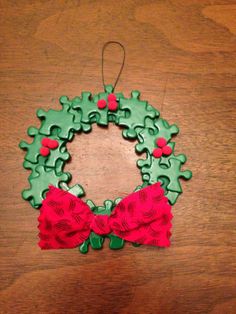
(64,217)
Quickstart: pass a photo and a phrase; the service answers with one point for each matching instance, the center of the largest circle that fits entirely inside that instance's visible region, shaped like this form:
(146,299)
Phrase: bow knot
(100,224)
(143,217)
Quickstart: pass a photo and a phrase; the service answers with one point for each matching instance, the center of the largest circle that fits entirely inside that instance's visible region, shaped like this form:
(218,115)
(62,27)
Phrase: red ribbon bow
(143,217)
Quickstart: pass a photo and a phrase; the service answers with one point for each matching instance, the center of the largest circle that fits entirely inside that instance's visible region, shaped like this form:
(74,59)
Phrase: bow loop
(64,220)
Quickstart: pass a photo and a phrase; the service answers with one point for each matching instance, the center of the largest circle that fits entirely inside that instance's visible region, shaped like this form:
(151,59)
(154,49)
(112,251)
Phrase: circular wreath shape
(47,154)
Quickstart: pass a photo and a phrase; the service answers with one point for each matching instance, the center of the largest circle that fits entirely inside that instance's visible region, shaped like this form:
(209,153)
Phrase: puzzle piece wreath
(47,154)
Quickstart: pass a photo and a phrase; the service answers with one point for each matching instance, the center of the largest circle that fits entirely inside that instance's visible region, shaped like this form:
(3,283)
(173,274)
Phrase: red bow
(143,217)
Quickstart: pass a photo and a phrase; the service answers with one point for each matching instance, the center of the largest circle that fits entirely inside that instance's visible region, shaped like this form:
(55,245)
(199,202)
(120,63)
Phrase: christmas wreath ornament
(144,216)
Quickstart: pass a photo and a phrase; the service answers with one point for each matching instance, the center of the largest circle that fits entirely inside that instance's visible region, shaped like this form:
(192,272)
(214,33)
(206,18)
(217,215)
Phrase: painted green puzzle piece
(136,111)
(39,187)
(60,119)
(86,127)
(113,116)
(163,164)
(34,174)
(76,189)
(164,160)
(28,165)
(57,154)
(33,154)
(147,139)
(173,172)
(172,196)
(41,162)
(164,128)
(89,110)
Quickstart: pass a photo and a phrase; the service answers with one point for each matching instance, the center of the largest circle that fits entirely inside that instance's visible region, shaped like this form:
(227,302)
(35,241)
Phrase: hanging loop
(122,64)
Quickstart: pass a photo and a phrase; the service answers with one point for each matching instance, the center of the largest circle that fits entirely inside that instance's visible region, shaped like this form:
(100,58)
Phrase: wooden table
(181,56)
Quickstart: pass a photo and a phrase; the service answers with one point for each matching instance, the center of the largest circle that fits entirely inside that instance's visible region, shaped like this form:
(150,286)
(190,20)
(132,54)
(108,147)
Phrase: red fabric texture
(143,217)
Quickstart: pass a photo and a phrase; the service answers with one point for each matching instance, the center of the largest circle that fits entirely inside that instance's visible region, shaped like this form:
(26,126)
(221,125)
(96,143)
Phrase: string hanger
(122,64)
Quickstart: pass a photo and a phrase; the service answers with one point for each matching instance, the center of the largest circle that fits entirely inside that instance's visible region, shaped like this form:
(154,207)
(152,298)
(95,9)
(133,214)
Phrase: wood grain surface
(182,56)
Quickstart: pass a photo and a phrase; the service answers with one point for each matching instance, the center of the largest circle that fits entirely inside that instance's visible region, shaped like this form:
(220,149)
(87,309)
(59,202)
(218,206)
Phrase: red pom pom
(53,144)
(157,152)
(111,97)
(102,103)
(44,151)
(167,150)
(113,105)
(45,141)
(161,142)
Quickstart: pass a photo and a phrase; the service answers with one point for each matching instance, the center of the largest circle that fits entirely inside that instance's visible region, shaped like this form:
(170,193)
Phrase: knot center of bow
(100,224)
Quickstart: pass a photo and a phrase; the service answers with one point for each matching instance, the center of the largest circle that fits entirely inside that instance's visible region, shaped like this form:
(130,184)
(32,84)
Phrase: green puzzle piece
(156,168)
(136,111)
(57,154)
(41,162)
(76,190)
(39,187)
(60,119)
(89,110)
(85,108)
(164,160)
(172,196)
(172,172)
(33,154)
(64,100)
(112,116)
(147,139)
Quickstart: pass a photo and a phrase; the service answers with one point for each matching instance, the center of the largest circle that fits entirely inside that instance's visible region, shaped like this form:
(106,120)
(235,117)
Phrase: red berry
(45,141)
(161,142)
(113,105)
(44,151)
(102,103)
(53,144)
(157,152)
(111,97)
(167,150)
